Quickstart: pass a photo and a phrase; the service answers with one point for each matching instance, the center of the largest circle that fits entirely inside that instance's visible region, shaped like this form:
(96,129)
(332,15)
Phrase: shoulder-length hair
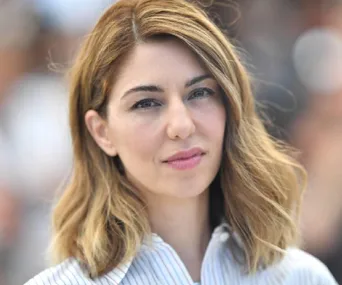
(101,219)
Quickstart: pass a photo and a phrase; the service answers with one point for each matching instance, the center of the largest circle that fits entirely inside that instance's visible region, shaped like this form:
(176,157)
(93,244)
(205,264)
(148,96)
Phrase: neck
(184,225)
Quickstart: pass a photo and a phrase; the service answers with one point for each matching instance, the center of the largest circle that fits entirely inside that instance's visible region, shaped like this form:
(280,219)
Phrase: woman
(175,179)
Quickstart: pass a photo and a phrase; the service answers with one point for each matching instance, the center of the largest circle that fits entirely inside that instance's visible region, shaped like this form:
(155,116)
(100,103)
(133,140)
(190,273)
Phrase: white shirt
(159,264)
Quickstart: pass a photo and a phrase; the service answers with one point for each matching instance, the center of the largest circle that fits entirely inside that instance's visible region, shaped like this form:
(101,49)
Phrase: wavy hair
(100,218)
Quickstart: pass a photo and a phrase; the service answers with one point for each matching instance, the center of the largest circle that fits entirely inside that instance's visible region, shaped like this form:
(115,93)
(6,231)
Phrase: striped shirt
(159,264)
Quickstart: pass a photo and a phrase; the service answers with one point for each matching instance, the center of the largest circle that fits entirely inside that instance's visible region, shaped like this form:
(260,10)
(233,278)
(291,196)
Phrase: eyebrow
(156,88)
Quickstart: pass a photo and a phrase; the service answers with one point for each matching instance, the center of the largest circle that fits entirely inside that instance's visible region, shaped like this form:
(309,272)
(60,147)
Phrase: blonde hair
(101,219)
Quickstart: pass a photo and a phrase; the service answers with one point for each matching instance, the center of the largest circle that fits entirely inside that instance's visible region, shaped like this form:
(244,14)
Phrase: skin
(144,128)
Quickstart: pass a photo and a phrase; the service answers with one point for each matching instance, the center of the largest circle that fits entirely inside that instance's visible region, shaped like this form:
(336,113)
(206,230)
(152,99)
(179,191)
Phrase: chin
(188,191)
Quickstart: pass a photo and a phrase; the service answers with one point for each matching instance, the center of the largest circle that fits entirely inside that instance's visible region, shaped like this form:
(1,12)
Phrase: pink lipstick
(185,159)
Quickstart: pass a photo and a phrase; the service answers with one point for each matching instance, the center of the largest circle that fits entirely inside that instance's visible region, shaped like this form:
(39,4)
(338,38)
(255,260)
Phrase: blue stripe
(162,265)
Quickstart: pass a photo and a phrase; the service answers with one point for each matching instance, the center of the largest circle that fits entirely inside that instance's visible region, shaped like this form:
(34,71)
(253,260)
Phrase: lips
(185,155)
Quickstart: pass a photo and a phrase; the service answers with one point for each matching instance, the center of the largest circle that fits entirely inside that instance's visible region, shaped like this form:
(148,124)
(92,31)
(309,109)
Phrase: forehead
(163,62)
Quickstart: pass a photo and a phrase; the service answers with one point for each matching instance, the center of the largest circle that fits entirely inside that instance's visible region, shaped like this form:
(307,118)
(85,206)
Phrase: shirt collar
(222,233)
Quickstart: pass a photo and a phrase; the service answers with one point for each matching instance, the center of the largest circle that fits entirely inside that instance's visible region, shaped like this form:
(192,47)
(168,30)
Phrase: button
(224,237)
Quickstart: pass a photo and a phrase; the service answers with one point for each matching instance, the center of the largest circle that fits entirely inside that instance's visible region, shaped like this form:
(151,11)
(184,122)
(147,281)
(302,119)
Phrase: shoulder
(299,267)
(68,272)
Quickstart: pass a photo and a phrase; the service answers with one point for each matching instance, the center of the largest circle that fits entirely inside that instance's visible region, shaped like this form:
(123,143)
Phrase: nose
(180,124)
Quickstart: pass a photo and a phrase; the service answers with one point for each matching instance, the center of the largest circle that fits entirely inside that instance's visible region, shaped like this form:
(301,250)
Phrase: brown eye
(200,93)
(146,104)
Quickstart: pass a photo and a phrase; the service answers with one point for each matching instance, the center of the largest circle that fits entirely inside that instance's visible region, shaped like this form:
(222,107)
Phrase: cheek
(136,139)
(212,120)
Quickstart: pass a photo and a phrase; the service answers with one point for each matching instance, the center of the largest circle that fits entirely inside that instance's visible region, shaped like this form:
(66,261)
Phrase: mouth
(185,159)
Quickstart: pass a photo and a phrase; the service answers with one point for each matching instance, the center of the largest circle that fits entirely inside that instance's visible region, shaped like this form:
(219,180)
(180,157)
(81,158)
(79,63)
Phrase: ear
(98,128)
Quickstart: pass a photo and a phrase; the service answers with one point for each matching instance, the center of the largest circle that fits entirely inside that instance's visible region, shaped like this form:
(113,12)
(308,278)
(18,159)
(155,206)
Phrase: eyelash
(139,104)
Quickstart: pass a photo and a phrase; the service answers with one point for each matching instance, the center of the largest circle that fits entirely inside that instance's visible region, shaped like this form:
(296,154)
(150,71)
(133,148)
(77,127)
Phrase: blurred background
(293,50)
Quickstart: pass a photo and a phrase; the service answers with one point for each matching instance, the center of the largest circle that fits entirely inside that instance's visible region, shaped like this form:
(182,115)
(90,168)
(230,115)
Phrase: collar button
(224,237)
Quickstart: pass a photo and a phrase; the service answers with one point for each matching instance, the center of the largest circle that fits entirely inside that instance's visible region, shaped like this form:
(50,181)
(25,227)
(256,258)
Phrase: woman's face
(165,121)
